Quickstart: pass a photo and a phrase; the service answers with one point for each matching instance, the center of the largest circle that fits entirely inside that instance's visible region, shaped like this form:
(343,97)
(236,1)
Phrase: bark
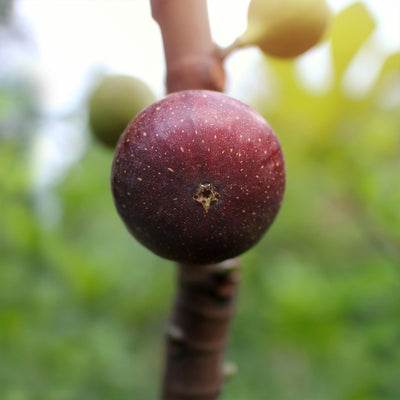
(191,57)
(198,329)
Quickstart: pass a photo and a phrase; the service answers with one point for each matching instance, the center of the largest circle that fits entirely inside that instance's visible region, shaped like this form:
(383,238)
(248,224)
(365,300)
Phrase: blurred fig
(113,103)
(285,28)
(198,177)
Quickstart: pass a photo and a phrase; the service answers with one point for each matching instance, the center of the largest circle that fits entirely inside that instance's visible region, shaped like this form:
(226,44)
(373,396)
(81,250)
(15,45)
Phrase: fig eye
(205,195)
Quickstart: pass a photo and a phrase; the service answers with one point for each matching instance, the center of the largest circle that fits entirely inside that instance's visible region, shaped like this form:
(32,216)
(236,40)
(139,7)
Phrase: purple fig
(198,177)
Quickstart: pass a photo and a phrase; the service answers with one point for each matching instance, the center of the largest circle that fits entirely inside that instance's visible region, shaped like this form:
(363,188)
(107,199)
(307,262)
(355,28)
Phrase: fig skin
(285,28)
(198,177)
(113,103)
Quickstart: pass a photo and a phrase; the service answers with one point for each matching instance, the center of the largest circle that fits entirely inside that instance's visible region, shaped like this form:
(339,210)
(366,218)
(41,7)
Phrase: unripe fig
(113,104)
(198,177)
(285,28)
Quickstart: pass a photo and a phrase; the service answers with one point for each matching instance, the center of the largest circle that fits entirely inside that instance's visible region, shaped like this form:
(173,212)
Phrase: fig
(285,28)
(113,103)
(198,177)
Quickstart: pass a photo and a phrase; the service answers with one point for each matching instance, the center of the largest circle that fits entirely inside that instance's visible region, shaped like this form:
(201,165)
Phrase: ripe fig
(285,28)
(198,177)
(113,103)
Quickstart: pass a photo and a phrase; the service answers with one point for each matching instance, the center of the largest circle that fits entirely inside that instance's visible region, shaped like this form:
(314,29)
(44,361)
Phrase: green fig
(114,102)
(285,28)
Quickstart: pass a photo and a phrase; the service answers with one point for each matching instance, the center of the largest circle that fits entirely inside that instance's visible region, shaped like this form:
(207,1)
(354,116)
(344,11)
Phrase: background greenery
(83,306)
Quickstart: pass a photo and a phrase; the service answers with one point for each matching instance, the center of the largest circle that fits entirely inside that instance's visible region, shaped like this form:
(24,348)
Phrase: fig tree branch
(198,328)
(198,331)
(191,58)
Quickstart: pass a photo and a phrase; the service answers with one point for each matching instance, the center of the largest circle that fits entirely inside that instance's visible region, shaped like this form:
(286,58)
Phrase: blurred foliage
(83,306)
(5,10)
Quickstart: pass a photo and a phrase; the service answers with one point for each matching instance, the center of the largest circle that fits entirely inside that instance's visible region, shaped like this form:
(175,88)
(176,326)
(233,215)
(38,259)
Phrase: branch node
(175,333)
(227,267)
(223,52)
(196,72)
(225,279)
(229,369)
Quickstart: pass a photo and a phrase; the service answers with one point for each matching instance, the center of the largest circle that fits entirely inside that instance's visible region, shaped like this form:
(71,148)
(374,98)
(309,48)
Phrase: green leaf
(391,64)
(350,30)
(390,69)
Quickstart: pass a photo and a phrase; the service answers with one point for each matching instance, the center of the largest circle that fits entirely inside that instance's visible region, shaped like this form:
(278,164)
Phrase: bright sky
(73,38)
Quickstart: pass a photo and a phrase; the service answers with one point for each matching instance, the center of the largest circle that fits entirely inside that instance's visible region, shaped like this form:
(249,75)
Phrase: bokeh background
(83,306)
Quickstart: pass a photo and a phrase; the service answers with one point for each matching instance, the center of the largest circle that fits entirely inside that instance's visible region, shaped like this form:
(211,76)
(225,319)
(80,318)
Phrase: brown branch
(198,327)
(198,330)
(191,59)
